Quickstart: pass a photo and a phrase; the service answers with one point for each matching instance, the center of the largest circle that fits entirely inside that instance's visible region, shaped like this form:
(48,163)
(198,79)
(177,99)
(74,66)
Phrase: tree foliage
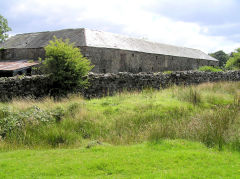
(234,61)
(66,66)
(3,29)
(221,56)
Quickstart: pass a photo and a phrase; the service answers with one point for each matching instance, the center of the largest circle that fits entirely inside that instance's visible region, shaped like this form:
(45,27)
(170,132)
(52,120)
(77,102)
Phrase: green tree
(66,66)
(221,56)
(3,29)
(234,62)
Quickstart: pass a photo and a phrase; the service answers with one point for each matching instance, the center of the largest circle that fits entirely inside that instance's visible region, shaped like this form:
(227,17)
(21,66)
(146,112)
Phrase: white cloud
(132,17)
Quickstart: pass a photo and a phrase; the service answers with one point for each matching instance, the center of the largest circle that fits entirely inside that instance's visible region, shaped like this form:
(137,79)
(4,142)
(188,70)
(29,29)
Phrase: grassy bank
(167,159)
(207,113)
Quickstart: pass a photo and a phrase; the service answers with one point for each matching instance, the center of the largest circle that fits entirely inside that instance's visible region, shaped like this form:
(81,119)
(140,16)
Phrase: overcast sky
(209,25)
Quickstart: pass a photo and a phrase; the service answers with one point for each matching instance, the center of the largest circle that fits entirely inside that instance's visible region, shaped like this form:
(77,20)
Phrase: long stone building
(109,52)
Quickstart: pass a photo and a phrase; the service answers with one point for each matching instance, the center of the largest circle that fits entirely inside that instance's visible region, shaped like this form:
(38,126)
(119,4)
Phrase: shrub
(234,62)
(167,72)
(209,69)
(66,66)
(11,120)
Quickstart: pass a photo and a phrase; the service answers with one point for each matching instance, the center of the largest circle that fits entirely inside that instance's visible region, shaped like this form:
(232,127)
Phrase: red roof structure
(16,65)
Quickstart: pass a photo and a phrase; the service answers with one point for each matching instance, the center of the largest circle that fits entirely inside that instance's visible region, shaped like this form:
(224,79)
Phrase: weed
(207,113)
(190,94)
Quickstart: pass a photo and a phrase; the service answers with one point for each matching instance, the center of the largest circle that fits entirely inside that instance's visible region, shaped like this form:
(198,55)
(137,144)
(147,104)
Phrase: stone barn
(109,52)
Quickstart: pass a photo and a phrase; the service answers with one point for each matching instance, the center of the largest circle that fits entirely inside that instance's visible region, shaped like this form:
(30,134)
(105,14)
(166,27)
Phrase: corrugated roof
(110,40)
(93,38)
(15,65)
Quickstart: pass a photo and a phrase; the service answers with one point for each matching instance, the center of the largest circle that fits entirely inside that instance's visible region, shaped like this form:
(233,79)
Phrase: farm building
(10,68)
(109,52)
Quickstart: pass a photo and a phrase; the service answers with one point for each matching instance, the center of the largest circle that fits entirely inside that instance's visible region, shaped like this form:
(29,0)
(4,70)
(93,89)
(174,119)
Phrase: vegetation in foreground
(207,113)
(165,159)
(176,132)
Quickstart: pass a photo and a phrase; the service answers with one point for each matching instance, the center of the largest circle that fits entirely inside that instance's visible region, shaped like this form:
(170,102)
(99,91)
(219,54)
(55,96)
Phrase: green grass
(167,159)
(207,113)
(179,132)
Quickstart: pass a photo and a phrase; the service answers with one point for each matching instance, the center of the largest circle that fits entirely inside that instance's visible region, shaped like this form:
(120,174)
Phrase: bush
(234,62)
(66,66)
(167,72)
(12,121)
(209,69)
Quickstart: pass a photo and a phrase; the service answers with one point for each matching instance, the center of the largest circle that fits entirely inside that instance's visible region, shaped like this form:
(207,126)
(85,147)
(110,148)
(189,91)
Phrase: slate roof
(41,39)
(93,38)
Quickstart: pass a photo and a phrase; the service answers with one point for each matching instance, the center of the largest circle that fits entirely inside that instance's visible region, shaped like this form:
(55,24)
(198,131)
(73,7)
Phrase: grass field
(167,159)
(191,132)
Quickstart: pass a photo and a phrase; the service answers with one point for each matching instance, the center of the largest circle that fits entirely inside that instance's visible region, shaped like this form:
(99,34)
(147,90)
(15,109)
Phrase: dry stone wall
(26,86)
(110,83)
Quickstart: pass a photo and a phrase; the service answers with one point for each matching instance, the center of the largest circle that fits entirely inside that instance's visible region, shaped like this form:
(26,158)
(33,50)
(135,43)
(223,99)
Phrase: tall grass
(208,113)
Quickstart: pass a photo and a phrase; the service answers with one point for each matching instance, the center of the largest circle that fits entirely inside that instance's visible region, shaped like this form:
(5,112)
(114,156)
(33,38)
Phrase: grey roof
(41,39)
(93,38)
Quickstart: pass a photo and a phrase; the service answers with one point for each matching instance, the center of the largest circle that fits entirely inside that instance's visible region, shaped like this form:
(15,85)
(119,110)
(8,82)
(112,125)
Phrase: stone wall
(109,60)
(108,84)
(27,86)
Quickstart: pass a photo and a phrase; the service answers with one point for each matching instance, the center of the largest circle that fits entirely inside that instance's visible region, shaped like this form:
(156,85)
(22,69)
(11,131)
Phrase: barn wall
(116,60)
(22,53)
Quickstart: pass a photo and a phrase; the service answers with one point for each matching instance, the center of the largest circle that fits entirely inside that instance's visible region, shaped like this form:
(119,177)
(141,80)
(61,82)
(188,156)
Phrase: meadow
(168,159)
(188,131)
